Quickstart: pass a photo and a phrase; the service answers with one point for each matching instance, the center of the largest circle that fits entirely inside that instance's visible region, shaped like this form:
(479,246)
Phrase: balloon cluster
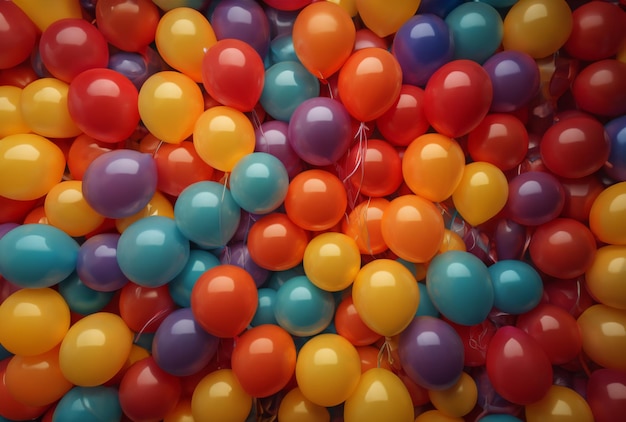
(298,210)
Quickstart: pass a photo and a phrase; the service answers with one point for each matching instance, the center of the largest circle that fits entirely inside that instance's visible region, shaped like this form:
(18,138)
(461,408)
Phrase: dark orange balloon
(350,325)
(369,357)
(83,151)
(10,407)
(364,225)
(178,166)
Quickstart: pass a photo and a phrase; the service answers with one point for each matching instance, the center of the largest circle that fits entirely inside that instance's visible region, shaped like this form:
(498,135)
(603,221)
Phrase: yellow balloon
(481,193)
(220,397)
(94,349)
(603,331)
(33,321)
(328,369)
(11,120)
(222,136)
(458,400)
(379,396)
(605,278)
(294,407)
(169,105)
(386,296)
(436,416)
(43,13)
(332,261)
(560,404)
(181,413)
(607,217)
(537,27)
(182,37)
(158,205)
(452,242)
(432,166)
(348,5)
(385,17)
(44,109)
(66,208)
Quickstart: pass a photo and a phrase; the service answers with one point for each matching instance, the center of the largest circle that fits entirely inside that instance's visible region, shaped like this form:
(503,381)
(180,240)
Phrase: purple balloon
(97,265)
(515,79)
(7,227)
(180,346)
(281,21)
(509,240)
(431,353)
(535,197)
(244,20)
(136,67)
(320,131)
(271,137)
(120,183)
(238,254)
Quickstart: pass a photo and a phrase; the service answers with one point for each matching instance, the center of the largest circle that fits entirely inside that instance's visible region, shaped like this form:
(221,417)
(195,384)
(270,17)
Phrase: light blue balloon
(278,278)
(287,84)
(302,308)
(89,404)
(459,285)
(477,30)
(517,286)
(259,183)
(207,214)
(282,50)
(83,299)
(37,255)
(425,307)
(499,418)
(265,310)
(180,287)
(152,251)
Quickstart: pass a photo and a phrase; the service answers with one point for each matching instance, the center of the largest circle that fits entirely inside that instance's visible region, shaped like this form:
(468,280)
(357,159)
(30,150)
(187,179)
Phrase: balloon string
(256,120)
(385,348)
(362,148)
(156,150)
(158,315)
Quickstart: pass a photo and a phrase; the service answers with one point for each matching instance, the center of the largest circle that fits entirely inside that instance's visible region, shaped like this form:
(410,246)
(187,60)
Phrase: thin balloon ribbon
(361,135)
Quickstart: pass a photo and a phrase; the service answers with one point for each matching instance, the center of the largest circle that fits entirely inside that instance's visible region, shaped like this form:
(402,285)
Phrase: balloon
(219,396)
(495,417)
(374,168)
(19,35)
(475,340)
(272,138)
(282,49)
(237,253)
(603,278)
(563,248)
(616,166)
(369,83)
(440,8)
(599,88)
(603,334)
(158,205)
(180,287)
(349,324)
(95,349)
(12,121)
(436,416)
(385,18)
(143,309)
(385,296)
(515,79)
(500,139)
(604,405)
(537,27)
(12,408)
(405,120)
(559,403)
(482,192)
(605,216)
(129,25)
(276,243)
(323,38)
(517,286)
(244,20)
(224,300)
(89,404)
(332,261)
(169,105)
(83,151)
(477,30)
(580,194)
(265,309)
(535,198)
(363,225)
(328,369)
(37,255)
(179,166)
(135,66)
(67,209)
(82,299)
(182,37)
(37,162)
(458,400)
(294,407)
(457,97)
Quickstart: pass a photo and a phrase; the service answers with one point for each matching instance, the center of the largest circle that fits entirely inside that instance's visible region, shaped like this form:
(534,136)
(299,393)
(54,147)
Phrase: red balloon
(600,88)
(458,97)
(500,139)
(475,339)
(287,4)
(233,74)
(10,408)
(579,196)
(517,366)
(366,38)
(83,151)
(18,35)
(144,308)
(570,295)
(129,25)
(406,119)
(12,211)
(19,76)
(606,394)
(374,168)
(349,324)
(178,166)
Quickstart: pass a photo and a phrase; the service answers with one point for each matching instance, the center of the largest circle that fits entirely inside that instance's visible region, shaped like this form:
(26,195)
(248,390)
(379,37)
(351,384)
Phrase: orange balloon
(67,209)
(452,242)
(323,38)
(364,226)
(369,83)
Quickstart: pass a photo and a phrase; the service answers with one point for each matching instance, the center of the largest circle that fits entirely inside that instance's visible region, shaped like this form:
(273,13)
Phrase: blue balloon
(152,251)
(499,418)
(426,306)
(459,285)
(180,287)
(286,86)
(37,255)
(278,278)
(517,286)
(616,167)
(83,299)
(440,8)
(282,50)
(265,310)
(477,30)
(207,214)
(4,353)
(89,404)
(131,65)
(302,308)
(422,45)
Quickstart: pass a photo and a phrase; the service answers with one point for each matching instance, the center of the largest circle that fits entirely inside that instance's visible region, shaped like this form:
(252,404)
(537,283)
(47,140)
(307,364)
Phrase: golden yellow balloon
(481,193)
(603,331)
(294,407)
(169,105)
(94,349)
(452,242)
(458,400)
(43,13)
(44,109)
(332,261)
(537,27)
(560,404)
(348,5)
(328,369)
(67,209)
(33,321)
(379,396)
(220,397)
(11,121)
(386,296)
(158,205)
(605,278)
(385,17)
(437,416)
(607,217)
(222,136)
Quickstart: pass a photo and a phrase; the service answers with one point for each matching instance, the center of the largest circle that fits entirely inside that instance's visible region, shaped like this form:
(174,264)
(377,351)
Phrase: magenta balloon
(244,20)
(97,265)
(238,254)
(515,79)
(535,197)
(272,138)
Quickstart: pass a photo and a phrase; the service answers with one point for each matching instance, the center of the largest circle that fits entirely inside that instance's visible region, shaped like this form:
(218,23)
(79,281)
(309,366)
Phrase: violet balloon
(535,197)
(97,265)
(509,240)
(272,138)
(7,227)
(238,254)
(244,20)
(280,21)
(515,79)
(616,164)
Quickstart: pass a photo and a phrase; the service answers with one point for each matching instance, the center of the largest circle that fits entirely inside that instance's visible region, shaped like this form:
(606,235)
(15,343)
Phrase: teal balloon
(89,404)
(500,4)
(517,286)
(259,183)
(302,308)
(83,299)
(499,418)
(152,251)
(180,287)
(282,50)
(278,278)
(265,310)
(287,85)
(37,255)
(459,285)
(207,214)
(144,340)
(4,353)
(477,30)
(426,306)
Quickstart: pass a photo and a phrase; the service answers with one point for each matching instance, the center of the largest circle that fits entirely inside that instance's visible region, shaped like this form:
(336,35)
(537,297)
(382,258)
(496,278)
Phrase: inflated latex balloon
(158,205)
(219,396)
(272,137)
(364,225)
(599,88)
(143,309)
(616,165)
(515,78)
(535,198)
(604,335)
(374,168)
(12,121)
(129,25)
(458,400)
(605,217)
(500,139)
(332,261)
(81,298)
(603,278)
(67,209)
(349,324)
(517,286)
(89,404)
(384,18)
(19,35)
(560,403)
(604,405)
(294,407)
(405,120)
(244,20)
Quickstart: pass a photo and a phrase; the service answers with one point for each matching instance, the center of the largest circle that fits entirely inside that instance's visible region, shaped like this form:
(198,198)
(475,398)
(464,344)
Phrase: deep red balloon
(178,166)
(144,308)
(600,88)
(129,25)
(406,119)
(579,196)
(287,4)
(476,339)
(19,76)
(500,139)
(18,35)
(570,295)
(374,168)
(12,211)
(606,394)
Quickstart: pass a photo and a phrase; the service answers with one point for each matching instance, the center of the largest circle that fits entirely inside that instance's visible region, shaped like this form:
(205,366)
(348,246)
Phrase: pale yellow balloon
(560,404)
(294,407)
(11,120)
(44,13)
